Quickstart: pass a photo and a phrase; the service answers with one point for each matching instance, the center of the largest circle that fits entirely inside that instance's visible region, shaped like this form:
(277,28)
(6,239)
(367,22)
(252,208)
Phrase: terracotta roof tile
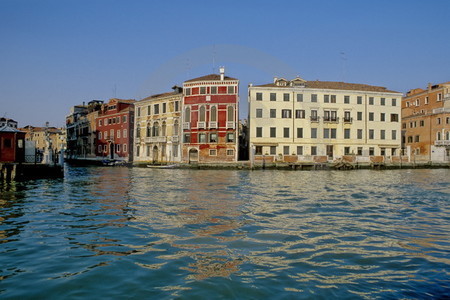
(210,77)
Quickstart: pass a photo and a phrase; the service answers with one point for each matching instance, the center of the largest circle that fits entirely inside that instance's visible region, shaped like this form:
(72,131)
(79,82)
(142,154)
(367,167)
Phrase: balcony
(187,125)
(314,119)
(156,139)
(213,125)
(231,125)
(348,120)
(175,138)
(201,125)
(442,143)
(331,119)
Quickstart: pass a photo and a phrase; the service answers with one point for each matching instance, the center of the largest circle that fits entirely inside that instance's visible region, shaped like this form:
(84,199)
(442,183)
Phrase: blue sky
(58,53)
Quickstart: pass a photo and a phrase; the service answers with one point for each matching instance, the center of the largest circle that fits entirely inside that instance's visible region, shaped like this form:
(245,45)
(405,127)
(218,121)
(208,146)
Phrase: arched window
(156,129)
(438,136)
(213,114)
(176,126)
(447,135)
(138,132)
(149,130)
(230,114)
(187,114)
(202,116)
(163,129)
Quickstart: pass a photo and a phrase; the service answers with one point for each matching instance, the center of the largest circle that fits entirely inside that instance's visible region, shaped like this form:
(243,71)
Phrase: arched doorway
(111,150)
(193,155)
(155,154)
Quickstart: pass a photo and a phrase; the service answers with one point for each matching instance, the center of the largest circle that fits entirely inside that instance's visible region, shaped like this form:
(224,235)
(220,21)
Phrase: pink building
(210,119)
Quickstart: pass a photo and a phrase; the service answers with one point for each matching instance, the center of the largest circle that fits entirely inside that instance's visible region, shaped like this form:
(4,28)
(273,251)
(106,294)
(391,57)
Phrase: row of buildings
(289,120)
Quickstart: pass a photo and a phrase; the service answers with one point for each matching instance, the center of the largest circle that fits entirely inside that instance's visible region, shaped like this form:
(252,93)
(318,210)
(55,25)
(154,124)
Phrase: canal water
(136,233)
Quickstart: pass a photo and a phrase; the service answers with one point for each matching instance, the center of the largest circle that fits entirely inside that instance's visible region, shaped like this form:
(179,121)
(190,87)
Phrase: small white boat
(162,166)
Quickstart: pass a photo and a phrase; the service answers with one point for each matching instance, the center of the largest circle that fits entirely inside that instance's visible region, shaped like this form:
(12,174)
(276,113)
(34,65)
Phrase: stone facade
(308,119)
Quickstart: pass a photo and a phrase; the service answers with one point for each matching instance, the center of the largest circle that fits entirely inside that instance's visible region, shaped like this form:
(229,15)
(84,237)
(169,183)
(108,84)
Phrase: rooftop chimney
(429,86)
(222,73)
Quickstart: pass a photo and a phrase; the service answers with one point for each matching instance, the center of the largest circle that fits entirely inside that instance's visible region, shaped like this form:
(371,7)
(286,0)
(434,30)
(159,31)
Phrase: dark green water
(121,233)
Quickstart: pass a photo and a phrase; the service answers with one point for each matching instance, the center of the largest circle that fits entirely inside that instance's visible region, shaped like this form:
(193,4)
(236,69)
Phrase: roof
(334,85)
(161,95)
(210,77)
(7,128)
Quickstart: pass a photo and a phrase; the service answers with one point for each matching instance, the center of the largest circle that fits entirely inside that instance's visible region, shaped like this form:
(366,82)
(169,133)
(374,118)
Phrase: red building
(12,142)
(115,130)
(209,118)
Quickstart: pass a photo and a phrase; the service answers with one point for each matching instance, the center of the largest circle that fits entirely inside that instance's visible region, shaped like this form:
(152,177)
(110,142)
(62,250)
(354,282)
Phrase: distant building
(81,130)
(426,123)
(294,120)
(157,128)
(39,135)
(210,119)
(114,130)
(12,142)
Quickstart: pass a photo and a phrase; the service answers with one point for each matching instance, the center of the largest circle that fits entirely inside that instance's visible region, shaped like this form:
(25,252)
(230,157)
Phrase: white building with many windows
(295,120)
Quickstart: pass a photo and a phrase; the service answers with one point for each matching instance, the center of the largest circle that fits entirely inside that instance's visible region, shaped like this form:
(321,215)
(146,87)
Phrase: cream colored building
(298,120)
(157,128)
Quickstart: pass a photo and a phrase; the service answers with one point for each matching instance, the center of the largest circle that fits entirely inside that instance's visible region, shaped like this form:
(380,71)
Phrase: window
(286,97)
(175,150)
(187,91)
(187,114)
(125,133)
(347,116)
(314,133)
(156,109)
(426,100)
(213,114)
(314,115)
(111,133)
(371,151)
(155,129)
(286,132)
(273,150)
(326,98)
(164,108)
(230,137)
(258,131)
(299,97)
(100,135)
(330,115)
(313,150)
(258,96)
(359,115)
(138,114)
(230,152)
(438,121)
(202,112)
(259,112)
(187,138)
(100,123)
(230,89)
(394,134)
(273,97)
(299,113)
(286,150)
(176,127)
(416,139)
(382,151)
(421,123)
(326,133)
(383,101)
(202,138)
(346,99)
(273,113)
(371,101)
(177,105)
(333,98)
(258,150)
(99,149)
(286,113)
(346,133)
(371,134)
(203,90)
(299,133)
(273,132)
(382,134)
(230,113)
(213,137)
(124,147)
(105,134)
(124,119)
(149,110)
(118,134)
(313,97)
(394,117)
(394,102)
(333,133)
(359,151)
(371,116)
(214,90)
(299,150)
(359,134)
(117,147)
(382,117)
(212,152)
(346,150)
(359,100)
